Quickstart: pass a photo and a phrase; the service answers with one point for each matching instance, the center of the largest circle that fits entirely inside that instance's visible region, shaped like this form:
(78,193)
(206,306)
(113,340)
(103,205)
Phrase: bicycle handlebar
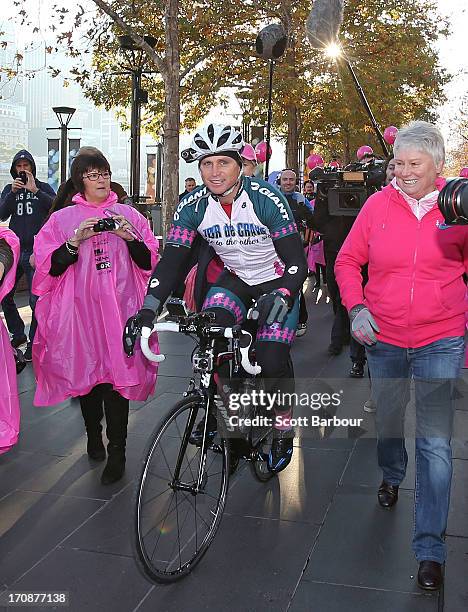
(251,368)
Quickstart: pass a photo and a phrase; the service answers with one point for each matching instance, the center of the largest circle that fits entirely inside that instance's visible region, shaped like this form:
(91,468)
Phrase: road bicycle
(183,482)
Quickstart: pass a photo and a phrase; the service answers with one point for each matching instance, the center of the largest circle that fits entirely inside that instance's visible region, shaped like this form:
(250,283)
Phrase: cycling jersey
(258,243)
(245,242)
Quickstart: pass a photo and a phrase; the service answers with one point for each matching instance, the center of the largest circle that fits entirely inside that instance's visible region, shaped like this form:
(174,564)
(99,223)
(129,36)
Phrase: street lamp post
(270,44)
(64,115)
(135,56)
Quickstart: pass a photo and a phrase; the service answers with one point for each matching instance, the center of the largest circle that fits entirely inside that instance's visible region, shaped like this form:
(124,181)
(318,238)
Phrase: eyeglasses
(94,176)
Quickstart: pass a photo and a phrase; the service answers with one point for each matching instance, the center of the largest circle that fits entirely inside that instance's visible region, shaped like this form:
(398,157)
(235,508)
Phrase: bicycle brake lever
(245,342)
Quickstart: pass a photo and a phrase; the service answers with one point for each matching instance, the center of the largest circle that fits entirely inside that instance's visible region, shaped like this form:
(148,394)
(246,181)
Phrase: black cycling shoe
(281,450)
(196,436)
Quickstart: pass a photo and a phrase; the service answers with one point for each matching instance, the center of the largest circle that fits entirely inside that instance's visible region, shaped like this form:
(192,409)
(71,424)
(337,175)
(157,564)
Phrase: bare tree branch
(193,65)
(138,40)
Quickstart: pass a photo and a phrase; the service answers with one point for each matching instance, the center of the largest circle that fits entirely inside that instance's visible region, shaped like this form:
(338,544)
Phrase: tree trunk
(292,143)
(172,115)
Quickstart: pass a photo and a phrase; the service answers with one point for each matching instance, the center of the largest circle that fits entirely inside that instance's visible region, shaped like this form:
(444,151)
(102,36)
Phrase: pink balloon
(390,133)
(261,150)
(464,172)
(314,160)
(364,150)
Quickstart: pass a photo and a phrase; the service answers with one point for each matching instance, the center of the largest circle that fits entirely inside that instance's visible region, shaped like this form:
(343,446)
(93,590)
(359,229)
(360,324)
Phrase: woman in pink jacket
(411,318)
(9,403)
(93,262)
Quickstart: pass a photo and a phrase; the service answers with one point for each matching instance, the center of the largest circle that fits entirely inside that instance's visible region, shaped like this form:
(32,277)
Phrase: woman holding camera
(411,318)
(93,262)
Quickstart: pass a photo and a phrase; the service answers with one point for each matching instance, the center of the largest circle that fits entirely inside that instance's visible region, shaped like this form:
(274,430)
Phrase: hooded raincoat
(81,314)
(9,403)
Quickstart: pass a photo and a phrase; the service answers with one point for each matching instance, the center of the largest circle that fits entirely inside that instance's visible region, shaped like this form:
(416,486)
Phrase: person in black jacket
(27,201)
(304,218)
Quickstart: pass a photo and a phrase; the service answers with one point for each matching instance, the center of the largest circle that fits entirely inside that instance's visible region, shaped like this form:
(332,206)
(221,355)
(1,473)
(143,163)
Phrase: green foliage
(390,44)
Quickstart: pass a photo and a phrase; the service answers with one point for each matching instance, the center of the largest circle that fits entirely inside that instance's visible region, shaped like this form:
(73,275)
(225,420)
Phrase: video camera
(453,202)
(348,189)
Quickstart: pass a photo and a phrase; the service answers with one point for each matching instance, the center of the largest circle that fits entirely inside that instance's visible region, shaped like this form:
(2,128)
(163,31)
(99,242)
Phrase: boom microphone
(323,22)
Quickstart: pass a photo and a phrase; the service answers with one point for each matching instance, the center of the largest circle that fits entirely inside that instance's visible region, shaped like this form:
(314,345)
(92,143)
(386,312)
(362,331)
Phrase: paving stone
(301,493)
(32,524)
(59,433)
(460,435)
(110,530)
(78,476)
(458,519)
(93,581)
(18,466)
(362,544)
(253,564)
(336,598)
(363,470)
(456,571)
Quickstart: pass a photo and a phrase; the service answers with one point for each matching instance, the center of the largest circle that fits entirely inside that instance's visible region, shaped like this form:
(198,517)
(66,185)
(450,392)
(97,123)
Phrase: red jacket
(416,290)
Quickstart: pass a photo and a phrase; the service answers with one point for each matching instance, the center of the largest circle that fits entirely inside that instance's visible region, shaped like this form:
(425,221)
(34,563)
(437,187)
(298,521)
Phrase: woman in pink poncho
(89,280)
(9,403)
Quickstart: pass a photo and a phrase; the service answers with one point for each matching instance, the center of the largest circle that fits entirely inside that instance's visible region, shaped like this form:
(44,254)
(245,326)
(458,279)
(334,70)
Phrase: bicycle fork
(178,485)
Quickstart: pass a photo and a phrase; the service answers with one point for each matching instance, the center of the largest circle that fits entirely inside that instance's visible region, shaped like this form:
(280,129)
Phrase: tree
(457,154)
(390,44)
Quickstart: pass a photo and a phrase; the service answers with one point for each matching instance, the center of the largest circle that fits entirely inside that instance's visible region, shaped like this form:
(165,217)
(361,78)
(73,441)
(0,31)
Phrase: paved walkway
(313,539)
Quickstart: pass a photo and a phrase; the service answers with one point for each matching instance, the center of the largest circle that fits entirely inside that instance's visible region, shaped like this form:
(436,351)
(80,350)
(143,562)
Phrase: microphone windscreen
(323,22)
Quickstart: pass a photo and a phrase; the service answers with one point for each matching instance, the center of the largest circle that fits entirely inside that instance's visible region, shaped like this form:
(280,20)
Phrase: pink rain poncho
(9,403)
(81,314)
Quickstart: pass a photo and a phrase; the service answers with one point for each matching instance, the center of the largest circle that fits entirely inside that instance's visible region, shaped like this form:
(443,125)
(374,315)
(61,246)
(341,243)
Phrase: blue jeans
(434,368)
(14,322)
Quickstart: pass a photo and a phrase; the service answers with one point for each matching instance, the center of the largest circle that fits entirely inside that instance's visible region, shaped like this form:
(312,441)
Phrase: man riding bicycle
(250,226)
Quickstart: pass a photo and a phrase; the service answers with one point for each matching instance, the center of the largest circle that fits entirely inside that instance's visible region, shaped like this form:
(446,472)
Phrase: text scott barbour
(304,421)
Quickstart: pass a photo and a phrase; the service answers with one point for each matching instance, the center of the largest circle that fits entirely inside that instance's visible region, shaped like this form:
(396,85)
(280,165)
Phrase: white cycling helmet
(213,139)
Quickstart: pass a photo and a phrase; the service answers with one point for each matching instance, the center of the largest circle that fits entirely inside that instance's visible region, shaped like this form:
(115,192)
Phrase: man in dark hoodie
(27,201)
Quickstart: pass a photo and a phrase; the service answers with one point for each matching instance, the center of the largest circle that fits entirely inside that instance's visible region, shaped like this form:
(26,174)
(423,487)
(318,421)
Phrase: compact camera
(23,177)
(105,225)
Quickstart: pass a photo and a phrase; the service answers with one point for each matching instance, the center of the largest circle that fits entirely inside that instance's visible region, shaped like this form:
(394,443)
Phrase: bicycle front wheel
(180,494)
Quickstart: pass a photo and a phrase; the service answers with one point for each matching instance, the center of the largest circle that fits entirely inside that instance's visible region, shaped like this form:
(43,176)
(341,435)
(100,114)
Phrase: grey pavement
(312,539)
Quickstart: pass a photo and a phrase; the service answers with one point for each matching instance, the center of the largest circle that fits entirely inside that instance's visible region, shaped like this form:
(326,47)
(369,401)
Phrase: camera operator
(335,228)
(302,212)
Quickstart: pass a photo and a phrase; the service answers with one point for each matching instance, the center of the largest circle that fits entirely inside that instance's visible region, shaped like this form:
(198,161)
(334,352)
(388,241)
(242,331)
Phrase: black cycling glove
(133,327)
(271,308)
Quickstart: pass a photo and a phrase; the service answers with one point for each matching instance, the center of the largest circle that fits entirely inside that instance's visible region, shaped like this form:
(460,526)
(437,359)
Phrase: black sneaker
(281,450)
(17,341)
(357,370)
(28,353)
(196,436)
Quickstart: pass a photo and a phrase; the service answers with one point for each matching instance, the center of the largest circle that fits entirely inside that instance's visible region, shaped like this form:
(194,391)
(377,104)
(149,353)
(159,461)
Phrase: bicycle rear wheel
(174,522)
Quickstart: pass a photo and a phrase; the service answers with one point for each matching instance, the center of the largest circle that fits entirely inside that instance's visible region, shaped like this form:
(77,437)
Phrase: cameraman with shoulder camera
(335,227)
(27,201)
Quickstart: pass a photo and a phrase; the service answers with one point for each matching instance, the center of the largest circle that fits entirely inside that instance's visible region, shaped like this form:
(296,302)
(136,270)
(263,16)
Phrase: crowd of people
(396,279)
